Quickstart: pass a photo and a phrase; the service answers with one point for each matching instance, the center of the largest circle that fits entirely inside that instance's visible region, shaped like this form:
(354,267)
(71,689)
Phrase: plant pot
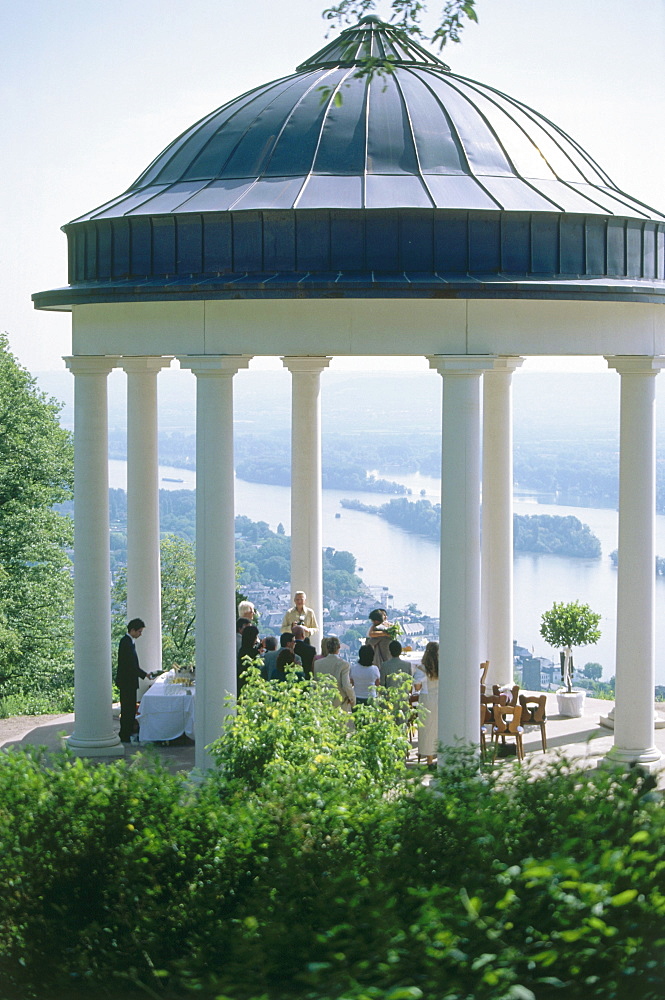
(571,703)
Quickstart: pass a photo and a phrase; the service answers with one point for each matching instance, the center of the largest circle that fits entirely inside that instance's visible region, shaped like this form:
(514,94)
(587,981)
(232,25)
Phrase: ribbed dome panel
(415,182)
(414,138)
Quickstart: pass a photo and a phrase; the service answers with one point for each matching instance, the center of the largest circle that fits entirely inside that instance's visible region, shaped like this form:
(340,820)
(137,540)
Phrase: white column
(215,545)
(94,732)
(635,641)
(306,503)
(497,521)
(143,564)
(459,632)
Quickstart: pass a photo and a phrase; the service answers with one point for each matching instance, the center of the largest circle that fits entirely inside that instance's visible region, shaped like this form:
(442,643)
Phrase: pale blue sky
(90,92)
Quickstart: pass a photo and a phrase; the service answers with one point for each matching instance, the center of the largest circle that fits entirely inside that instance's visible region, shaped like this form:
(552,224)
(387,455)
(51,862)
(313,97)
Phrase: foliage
(265,557)
(178,602)
(178,596)
(579,473)
(546,533)
(568,625)
(287,726)
(299,882)
(36,586)
(346,476)
(562,536)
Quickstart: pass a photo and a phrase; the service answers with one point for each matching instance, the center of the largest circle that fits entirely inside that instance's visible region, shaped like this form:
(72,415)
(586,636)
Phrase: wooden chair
(484,667)
(507,723)
(534,714)
(510,692)
(487,703)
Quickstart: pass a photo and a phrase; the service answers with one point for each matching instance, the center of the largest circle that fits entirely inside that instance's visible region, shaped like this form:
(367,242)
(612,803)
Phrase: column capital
(143,364)
(461,364)
(214,365)
(91,364)
(506,364)
(635,364)
(313,365)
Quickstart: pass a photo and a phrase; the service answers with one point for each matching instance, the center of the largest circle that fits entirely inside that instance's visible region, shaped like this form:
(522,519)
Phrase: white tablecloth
(166,711)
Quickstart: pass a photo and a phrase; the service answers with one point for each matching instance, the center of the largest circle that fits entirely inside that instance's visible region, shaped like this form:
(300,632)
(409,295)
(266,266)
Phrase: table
(167,711)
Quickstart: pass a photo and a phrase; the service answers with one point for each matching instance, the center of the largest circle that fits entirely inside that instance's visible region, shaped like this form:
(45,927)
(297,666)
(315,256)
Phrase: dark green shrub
(313,866)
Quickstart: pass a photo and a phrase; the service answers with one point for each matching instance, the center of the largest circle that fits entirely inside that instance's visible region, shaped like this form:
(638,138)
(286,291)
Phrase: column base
(111,747)
(608,720)
(648,759)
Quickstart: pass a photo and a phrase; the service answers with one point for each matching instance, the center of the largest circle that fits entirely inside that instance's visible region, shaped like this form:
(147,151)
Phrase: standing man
(300,614)
(127,677)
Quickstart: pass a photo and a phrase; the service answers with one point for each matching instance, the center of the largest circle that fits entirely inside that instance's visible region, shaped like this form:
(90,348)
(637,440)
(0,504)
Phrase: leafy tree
(352,637)
(36,587)
(178,602)
(594,671)
(178,565)
(568,625)
(343,560)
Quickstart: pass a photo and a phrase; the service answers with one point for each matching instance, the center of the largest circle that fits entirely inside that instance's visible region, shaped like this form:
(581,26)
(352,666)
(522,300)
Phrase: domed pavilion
(328,213)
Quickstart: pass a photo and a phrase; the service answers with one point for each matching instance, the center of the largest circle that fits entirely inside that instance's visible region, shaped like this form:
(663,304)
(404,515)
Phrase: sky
(91,92)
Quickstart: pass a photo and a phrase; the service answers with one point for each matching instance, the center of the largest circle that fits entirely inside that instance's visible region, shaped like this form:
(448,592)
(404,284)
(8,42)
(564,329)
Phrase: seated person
(247,610)
(284,658)
(324,648)
(365,674)
(241,623)
(287,640)
(390,668)
(270,655)
(304,650)
(249,647)
(333,665)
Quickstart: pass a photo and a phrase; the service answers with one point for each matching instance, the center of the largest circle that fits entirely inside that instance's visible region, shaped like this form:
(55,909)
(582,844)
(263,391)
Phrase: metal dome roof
(414,182)
(418,136)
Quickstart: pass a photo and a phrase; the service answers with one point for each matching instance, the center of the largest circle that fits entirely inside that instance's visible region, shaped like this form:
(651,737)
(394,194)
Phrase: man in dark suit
(127,677)
(304,650)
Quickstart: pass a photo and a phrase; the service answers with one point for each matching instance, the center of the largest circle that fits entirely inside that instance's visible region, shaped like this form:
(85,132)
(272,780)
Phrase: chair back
(511,693)
(533,709)
(534,714)
(507,719)
(487,703)
(484,667)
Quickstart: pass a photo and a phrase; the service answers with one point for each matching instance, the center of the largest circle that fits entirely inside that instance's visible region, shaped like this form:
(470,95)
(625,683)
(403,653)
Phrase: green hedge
(314,865)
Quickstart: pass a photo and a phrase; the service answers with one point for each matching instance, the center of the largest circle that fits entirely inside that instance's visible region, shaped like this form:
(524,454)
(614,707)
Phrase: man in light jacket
(338,668)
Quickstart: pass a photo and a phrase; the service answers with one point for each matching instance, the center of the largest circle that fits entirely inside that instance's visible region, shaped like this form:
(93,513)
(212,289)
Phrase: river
(408,565)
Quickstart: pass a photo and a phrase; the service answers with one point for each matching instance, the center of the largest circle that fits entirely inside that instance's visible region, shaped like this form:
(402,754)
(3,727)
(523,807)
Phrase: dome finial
(373,39)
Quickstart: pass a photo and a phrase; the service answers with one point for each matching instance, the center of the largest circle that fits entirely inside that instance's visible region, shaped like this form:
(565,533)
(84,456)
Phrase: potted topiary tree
(565,626)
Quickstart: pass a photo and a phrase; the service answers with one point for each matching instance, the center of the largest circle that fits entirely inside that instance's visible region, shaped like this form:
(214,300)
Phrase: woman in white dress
(426,685)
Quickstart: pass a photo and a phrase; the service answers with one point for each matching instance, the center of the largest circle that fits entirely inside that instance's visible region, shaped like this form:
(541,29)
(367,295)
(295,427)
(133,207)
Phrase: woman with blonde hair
(426,685)
(324,647)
